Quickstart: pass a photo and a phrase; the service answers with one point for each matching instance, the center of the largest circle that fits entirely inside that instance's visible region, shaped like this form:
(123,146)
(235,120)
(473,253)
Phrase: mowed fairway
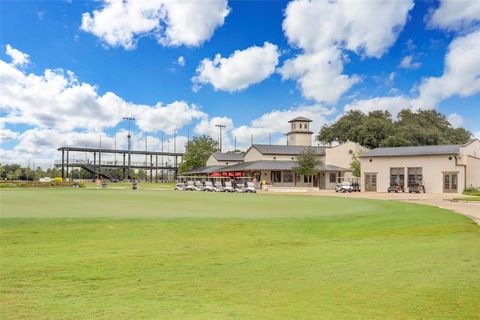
(153,254)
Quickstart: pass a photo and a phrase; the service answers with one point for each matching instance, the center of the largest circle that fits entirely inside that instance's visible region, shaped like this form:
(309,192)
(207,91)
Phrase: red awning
(238,174)
(215,174)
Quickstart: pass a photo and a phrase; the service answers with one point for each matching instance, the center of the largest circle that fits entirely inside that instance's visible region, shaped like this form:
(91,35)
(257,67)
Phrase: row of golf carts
(208,186)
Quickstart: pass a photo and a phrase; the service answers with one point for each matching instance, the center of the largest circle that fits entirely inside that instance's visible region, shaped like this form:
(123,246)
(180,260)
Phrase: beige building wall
(473,171)
(341,155)
(300,139)
(211,161)
(433,168)
(254,155)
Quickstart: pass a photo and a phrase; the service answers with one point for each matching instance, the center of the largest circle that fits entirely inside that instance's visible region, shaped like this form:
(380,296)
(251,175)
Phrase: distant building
(274,164)
(440,168)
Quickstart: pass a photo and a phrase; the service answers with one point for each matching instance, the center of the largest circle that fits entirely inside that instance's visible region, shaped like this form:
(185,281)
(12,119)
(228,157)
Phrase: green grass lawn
(474,198)
(159,254)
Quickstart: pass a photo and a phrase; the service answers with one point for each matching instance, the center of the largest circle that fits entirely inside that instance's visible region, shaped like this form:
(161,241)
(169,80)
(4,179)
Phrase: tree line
(379,129)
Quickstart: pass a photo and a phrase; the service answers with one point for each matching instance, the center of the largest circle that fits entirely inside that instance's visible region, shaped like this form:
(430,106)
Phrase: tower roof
(302,119)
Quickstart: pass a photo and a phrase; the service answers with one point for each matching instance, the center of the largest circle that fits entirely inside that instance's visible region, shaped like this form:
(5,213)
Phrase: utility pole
(235,145)
(174,140)
(251,139)
(220,126)
(115,147)
(129,136)
(100,156)
(270,138)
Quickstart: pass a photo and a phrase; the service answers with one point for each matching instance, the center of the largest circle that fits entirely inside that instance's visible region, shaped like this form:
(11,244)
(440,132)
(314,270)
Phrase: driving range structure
(153,162)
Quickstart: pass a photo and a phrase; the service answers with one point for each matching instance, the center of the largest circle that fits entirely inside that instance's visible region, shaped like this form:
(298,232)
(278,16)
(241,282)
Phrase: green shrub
(472,191)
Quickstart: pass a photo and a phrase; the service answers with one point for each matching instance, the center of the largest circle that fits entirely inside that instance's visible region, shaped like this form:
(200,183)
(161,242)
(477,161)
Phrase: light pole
(220,126)
(129,136)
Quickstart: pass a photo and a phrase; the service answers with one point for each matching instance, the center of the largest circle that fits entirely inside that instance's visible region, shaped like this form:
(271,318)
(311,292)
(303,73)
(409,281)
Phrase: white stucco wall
(214,162)
(473,171)
(341,155)
(433,168)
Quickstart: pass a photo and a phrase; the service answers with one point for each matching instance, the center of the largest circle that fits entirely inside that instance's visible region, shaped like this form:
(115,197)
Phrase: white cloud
(166,118)
(392,104)
(325,30)
(276,123)
(408,63)
(240,70)
(181,61)
(461,75)
(7,135)
(455,14)
(58,100)
(455,120)
(476,134)
(18,58)
(173,23)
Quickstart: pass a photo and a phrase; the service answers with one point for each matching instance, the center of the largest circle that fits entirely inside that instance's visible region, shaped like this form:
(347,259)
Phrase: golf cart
(190,186)
(395,188)
(343,187)
(199,186)
(416,188)
(218,187)
(208,186)
(228,187)
(180,186)
(250,187)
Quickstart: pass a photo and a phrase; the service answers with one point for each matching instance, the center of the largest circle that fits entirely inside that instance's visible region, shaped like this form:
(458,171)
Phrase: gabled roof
(228,156)
(413,151)
(285,150)
(303,119)
(209,169)
(275,165)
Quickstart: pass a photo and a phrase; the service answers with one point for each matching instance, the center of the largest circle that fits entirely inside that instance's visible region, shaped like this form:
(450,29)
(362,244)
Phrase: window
(333,177)
(370,182)
(415,176)
(276,176)
(307,179)
(397,176)
(287,176)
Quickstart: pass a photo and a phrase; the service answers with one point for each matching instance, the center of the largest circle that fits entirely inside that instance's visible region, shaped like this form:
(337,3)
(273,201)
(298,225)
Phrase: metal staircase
(91,168)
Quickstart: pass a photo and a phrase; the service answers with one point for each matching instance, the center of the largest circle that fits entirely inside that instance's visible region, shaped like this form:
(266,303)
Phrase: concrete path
(441,200)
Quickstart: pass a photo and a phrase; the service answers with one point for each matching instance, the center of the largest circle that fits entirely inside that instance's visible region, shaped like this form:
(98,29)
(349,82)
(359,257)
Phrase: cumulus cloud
(58,100)
(240,70)
(7,135)
(276,123)
(408,63)
(181,61)
(166,118)
(455,14)
(18,58)
(461,75)
(392,104)
(172,23)
(326,30)
(455,120)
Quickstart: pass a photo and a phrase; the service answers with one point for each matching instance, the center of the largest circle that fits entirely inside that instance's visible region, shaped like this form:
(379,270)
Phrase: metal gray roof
(275,165)
(208,169)
(286,150)
(228,156)
(300,119)
(413,151)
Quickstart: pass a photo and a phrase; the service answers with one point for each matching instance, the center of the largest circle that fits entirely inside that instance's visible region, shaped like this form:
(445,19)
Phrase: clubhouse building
(274,165)
(439,168)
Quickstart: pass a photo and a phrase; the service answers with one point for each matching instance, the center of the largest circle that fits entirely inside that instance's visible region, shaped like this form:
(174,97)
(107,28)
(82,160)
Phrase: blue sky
(71,70)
